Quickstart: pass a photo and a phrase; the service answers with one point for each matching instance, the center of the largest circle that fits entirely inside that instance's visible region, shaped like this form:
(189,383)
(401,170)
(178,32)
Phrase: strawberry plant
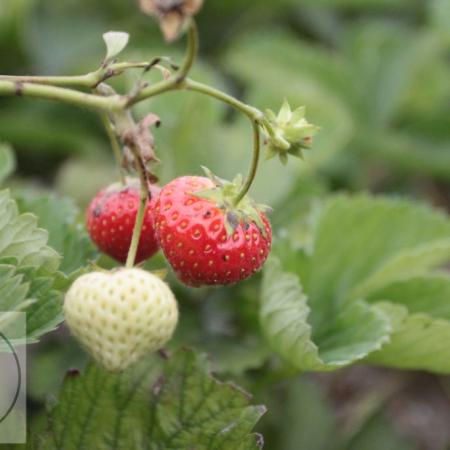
(154,280)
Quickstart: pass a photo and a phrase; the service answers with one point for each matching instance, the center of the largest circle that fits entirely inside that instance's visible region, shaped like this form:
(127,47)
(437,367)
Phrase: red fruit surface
(191,232)
(111,216)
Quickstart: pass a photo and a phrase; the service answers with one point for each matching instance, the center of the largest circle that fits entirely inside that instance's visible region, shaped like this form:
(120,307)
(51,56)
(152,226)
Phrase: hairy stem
(254,164)
(191,53)
(63,81)
(141,211)
(89,80)
(64,95)
(253,113)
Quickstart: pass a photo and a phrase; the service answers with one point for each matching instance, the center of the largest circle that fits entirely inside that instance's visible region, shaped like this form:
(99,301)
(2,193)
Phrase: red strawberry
(111,216)
(197,234)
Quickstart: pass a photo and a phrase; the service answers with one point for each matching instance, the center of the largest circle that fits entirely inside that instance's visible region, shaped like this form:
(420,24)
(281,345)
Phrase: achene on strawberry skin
(191,232)
(111,216)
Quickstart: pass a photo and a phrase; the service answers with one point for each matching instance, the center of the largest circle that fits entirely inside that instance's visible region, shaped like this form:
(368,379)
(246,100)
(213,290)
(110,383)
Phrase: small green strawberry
(288,133)
(120,316)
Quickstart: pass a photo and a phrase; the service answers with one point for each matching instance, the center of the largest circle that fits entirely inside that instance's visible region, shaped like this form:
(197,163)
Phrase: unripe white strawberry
(120,316)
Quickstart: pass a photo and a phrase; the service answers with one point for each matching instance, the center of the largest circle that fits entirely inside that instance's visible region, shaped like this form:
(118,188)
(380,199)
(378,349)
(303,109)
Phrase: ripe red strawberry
(194,231)
(111,216)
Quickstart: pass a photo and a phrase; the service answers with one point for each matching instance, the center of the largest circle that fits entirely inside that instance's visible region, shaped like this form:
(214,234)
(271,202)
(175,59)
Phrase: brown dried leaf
(150,120)
(148,7)
(192,7)
(128,158)
(144,139)
(171,25)
(172,14)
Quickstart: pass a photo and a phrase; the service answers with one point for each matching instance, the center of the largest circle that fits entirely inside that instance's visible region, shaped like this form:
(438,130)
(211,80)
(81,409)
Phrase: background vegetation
(374,75)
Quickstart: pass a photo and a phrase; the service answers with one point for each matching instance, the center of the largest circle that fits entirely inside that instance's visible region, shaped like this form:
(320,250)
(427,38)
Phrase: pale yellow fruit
(120,316)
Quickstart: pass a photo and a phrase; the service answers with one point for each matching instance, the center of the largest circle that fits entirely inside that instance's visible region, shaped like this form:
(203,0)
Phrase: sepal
(224,194)
(288,133)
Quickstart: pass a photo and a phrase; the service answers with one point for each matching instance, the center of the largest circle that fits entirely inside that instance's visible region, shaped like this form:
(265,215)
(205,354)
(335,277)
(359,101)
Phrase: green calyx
(288,133)
(224,195)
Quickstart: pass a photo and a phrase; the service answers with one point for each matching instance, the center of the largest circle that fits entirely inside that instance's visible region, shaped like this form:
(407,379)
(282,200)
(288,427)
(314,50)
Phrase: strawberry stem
(254,165)
(140,167)
(88,80)
(191,52)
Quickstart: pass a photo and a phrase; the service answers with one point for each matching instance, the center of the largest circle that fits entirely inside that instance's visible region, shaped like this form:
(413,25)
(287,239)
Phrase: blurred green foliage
(374,74)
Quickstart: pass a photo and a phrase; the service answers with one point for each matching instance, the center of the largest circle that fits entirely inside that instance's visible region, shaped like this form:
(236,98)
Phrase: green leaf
(170,405)
(59,216)
(423,293)
(418,341)
(357,236)
(352,334)
(45,313)
(115,42)
(21,239)
(363,245)
(7,161)
(27,270)
(364,251)
(415,261)
(284,317)
(25,290)
(420,314)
